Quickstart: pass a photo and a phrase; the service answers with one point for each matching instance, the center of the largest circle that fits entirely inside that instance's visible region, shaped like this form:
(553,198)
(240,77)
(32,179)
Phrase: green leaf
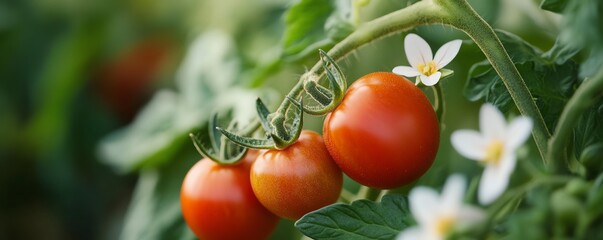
(533,220)
(553,5)
(206,81)
(583,28)
(154,211)
(362,219)
(561,52)
(589,129)
(314,24)
(551,84)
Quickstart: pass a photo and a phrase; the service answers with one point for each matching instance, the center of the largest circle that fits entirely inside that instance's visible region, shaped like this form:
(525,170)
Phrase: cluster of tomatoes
(384,134)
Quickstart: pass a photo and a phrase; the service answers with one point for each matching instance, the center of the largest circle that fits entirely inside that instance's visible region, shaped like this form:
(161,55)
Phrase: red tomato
(125,82)
(298,179)
(218,202)
(385,133)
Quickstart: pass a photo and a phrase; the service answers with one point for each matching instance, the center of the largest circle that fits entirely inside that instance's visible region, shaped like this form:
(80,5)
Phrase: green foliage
(205,81)
(531,222)
(362,219)
(583,28)
(589,130)
(554,5)
(154,212)
(551,84)
(314,24)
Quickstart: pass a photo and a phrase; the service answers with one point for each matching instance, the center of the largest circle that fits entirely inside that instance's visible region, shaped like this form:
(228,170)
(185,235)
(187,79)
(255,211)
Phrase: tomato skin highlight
(297,180)
(218,203)
(384,134)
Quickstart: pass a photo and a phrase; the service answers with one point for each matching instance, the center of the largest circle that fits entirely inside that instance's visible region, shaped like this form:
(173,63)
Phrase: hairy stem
(584,97)
(462,16)
(458,14)
(438,102)
(424,12)
(368,193)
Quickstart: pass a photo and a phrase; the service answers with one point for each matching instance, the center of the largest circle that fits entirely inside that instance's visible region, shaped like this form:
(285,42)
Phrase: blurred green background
(97,98)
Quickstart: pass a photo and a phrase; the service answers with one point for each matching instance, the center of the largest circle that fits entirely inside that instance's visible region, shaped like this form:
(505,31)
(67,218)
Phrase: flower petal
(423,202)
(417,50)
(507,161)
(492,122)
(493,183)
(406,71)
(469,144)
(432,79)
(518,132)
(470,214)
(411,233)
(446,53)
(452,194)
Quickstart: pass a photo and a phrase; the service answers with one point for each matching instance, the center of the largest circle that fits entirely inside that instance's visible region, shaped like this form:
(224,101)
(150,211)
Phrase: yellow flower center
(427,69)
(494,151)
(443,225)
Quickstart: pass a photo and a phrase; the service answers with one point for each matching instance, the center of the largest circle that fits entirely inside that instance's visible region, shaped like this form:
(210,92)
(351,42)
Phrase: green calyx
(327,99)
(215,146)
(282,129)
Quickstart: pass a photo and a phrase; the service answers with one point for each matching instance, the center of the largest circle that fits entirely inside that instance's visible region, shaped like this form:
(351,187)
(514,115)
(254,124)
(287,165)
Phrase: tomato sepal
(328,99)
(213,145)
(279,136)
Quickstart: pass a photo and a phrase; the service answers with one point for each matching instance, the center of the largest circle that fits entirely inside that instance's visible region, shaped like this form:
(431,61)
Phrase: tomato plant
(384,133)
(298,179)
(218,202)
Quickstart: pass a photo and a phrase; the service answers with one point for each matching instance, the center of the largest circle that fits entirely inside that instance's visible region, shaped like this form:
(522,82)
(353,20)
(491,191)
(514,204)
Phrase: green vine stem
(368,193)
(419,13)
(438,102)
(584,97)
(460,15)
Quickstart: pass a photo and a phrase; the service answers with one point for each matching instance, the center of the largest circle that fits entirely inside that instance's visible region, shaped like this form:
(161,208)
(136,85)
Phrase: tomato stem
(585,96)
(459,14)
(346,196)
(368,193)
(455,13)
(438,102)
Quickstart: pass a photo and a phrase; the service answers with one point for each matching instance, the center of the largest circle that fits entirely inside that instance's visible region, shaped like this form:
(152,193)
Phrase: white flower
(495,147)
(437,215)
(422,61)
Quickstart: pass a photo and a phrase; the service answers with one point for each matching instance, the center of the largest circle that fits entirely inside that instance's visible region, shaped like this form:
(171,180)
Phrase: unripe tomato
(218,202)
(298,179)
(384,133)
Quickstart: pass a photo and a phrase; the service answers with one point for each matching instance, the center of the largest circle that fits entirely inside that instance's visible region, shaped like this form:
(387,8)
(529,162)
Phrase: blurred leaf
(589,129)
(561,52)
(314,24)
(206,80)
(362,219)
(592,64)
(154,212)
(532,221)
(553,5)
(551,84)
(60,80)
(152,136)
(583,28)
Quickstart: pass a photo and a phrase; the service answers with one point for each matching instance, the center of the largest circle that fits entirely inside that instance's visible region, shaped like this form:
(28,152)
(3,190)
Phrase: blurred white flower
(437,215)
(495,147)
(422,61)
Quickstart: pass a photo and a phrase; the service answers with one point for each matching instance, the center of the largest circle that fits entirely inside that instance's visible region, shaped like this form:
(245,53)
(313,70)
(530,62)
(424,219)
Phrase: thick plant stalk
(585,96)
(460,15)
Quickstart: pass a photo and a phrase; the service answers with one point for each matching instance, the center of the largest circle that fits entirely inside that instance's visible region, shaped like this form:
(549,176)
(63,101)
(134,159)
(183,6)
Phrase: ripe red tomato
(218,202)
(126,81)
(385,133)
(298,179)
